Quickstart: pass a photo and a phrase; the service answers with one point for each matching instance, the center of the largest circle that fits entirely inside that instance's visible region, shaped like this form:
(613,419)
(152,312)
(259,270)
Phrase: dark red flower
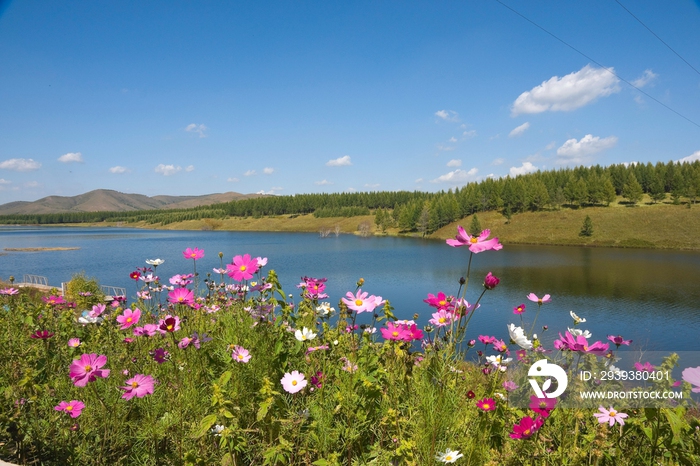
(42,334)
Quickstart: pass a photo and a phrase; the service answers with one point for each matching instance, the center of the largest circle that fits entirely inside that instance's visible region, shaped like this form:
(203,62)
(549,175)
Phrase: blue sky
(185,98)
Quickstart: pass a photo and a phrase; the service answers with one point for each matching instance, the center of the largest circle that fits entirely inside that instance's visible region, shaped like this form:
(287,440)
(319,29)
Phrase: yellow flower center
(240,356)
(294,383)
(442,320)
(243,267)
(543,405)
(585,348)
(128,320)
(69,408)
(358,302)
(527,432)
(486,406)
(169,327)
(448,458)
(88,368)
(473,240)
(303,337)
(134,384)
(613,413)
(539,301)
(442,303)
(193,255)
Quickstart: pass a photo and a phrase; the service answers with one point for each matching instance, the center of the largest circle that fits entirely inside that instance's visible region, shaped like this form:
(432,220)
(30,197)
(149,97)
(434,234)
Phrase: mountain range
(114,201)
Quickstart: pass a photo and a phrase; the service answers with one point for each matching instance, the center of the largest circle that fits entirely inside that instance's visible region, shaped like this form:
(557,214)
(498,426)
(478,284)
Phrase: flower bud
(462,280)
(490,282)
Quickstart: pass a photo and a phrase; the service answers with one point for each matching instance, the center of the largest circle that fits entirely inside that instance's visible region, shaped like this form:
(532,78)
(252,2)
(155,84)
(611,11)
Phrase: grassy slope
(646,225)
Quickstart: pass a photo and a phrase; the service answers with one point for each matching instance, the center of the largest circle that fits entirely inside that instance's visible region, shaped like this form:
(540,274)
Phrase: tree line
(426,212)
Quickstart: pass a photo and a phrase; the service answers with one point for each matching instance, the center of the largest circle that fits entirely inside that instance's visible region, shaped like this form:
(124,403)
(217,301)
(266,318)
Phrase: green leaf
(225,377)
(321,462)
(676,424)
(204,426)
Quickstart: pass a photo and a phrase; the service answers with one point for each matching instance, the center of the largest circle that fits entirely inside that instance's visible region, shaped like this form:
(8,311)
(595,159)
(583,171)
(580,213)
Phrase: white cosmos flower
(155,262)
(449,456)
(517,334)
(305,334)
(580,332)
(577,319)
(498,360)
(217,429)
(325,309)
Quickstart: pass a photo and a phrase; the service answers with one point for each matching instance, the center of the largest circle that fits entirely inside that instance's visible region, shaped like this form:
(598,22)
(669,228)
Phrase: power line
(597,63)
(656,35)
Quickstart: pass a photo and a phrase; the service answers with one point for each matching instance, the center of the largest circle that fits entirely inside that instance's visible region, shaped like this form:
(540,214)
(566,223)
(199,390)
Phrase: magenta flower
(542,406)
(487,340)
(611,416)
(476,244)
(138,386)
(181,296)
(395,332)
(442,318)
(519,309)
(169,325)
(184,343)
(73,407)
(129,318)
(544,299)
(240,354)
(526,428)
(579,343)
(692,376)
(97,310)
(53,300)
(194,254)
(135,275)
(42,335)
(490,282)
(9,291)
(487,404)
(293,382)
(147,330)
(160,355)
(74,342)
(618,340)
(509,385)
(243,267)
(440,301)
(313,287)
(360,302)
(646,367)
(500,346)
(87,369)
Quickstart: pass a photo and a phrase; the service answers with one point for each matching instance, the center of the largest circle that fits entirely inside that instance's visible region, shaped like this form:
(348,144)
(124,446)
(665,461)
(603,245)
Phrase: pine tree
(475,226)
(587,227)
(632,190)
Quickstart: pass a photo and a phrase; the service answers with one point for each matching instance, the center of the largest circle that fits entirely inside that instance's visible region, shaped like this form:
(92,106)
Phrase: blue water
(651,297)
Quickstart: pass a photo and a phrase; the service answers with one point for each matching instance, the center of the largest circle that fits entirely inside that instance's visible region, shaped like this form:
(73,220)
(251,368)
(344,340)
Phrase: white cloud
(444,148)
(189,168)
(199,129)
(232,179)
(419,180)
(454,163)
(457,176)
(526,167)
(71,157)
(372,186)
(339,162)
(4,181)
(453,139)
(550,146)
(268,170)
(273,191)
(498,161)
(645,79)
(519,130)
(691,158)
(350,190)
(118,169)
(167,170)
(447,115)
(20,165)
(250,173)
(567,93)
(469,134)
(323,182)
(573,151)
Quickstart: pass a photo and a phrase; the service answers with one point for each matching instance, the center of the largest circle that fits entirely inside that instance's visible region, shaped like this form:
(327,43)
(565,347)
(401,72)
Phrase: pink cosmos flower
(181,296)
(487,340)
(611,416)
(542,406)
(53,300)
(544,299)
(9,291)
(138,386)
(519,309)
(73,407)
(476,244)
(646,367)
(97,310)
(618,340)
(360,302)
(313,287)
(129,318)
(240,354)
(293,382)
(262,261)
(500,346)
(526,428)
(692,376)
(243,267)
(509,385)
(490,281)
(147,330)
(487,404)
(440,301)
(579,343)
(184,343)
(395,332)
(442,318)
(87,369)
(169,325)
(194,254)
(74,342)
(135,275)
(42,335)
(160,355)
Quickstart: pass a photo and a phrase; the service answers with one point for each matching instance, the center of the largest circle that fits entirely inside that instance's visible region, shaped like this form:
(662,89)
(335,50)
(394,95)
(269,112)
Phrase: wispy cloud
(646,78)
(573,151)
(691,158)
(323,182)
(457,176)
(519,130)
(167,170)
(469,134)
(454,163)
(447,115)
(567,93)
(232,179)
(250,173)
(339,162)
(268,170)
(550,146)
(526,167)
(453,139)
(498,161)
(189,168)
(71,157)
(198,129)
(272,191)
(4,181)
(20,165)
(444,148)
(372,186)
(118,170)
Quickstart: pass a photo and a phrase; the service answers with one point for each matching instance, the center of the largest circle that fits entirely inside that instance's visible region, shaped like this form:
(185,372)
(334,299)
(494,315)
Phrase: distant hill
(102,200)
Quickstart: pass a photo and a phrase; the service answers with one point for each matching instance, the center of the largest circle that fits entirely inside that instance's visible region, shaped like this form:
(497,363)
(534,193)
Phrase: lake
(649,296)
